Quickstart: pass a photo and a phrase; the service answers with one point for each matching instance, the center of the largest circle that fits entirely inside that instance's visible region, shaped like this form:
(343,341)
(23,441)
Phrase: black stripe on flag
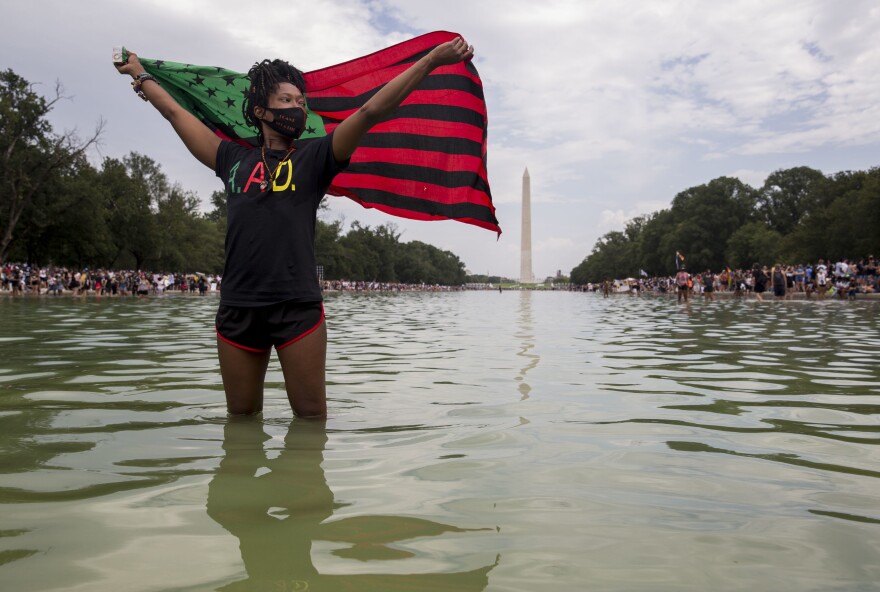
(445,145)
(427,112)
(433,208)
(445,82)
(420,174)
(417,56)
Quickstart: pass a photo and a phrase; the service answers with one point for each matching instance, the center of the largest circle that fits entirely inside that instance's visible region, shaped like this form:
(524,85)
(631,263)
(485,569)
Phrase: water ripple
(516,440)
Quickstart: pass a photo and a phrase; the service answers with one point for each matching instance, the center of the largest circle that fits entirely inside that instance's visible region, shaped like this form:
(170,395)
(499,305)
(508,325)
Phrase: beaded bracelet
(139,80)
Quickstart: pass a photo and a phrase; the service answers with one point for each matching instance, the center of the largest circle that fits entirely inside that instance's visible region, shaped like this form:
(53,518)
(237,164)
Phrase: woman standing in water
(271,296)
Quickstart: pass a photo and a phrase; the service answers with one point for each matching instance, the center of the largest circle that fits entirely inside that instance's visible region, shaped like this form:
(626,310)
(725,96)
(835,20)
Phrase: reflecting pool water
(476,441)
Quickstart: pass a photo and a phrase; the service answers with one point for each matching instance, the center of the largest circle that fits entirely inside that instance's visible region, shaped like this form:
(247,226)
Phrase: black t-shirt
(778,279)
(270,235)
(760,278)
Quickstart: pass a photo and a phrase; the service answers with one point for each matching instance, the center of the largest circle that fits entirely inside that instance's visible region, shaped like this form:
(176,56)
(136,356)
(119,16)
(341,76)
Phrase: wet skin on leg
(244,373)
(303,363)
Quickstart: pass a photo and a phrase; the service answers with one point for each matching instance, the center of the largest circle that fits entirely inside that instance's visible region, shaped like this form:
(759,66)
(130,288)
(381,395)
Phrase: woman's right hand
(451,52)
(132,66)
(198,138)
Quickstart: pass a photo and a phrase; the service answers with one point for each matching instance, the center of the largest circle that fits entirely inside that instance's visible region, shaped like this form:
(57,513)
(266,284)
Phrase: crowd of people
(350,286)
(22,279)
(844,279)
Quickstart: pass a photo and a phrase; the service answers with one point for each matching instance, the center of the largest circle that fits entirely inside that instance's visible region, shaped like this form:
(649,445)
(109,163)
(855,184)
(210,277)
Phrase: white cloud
(751,177)
(611,220)
(612,106)
(308,36)
(617,219)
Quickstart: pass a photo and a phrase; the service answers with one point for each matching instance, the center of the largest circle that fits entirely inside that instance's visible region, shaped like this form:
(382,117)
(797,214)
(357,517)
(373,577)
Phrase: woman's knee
(243,406)
(310,408)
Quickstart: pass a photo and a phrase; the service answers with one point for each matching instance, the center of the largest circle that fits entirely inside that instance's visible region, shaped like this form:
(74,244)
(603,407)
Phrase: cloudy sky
(614,107)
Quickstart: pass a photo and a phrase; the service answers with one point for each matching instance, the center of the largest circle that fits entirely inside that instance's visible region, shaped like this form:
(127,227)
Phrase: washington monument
(525,268)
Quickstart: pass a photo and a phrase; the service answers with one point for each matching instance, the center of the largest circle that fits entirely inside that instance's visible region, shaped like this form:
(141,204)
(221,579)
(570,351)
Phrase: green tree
(362,260)
(370,254)
(218,213)
(706,216)
(65,222)
(753,243)
(130,217)
(329,250)
(414,264)
(148,174)
(448,269)
(853,220)
(31,154)
(419,262)
(843,219)
(613,256)
(656,246)
(178,244)
(788,195)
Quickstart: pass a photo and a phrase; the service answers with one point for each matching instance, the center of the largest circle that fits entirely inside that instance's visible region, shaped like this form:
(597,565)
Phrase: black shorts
(259,328)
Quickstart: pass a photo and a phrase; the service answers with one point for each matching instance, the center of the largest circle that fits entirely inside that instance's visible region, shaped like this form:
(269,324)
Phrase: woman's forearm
(348,134)
(393,94)
(159,98)
(200,140)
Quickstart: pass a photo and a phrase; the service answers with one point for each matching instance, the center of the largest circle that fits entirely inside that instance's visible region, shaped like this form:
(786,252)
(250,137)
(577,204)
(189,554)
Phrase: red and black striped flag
(426,161)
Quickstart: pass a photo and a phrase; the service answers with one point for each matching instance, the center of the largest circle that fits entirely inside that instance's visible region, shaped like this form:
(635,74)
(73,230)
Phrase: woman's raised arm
(348,134)
(200,140)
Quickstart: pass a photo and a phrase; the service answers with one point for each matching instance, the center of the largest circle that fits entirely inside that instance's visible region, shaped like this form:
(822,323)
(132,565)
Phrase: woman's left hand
(451,52)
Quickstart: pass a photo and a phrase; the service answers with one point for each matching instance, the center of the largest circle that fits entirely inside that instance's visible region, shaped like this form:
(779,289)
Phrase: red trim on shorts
(309,332)
(239,346)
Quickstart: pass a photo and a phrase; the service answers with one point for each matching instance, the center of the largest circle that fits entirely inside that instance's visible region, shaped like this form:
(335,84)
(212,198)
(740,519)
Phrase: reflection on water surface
(277,507)
(476,441)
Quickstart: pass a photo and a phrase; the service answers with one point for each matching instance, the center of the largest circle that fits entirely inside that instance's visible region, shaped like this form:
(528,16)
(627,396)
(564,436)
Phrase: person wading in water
(271,296)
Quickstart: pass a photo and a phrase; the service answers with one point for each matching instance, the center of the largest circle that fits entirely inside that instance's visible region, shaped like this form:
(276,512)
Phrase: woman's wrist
(431,61)
(138,81)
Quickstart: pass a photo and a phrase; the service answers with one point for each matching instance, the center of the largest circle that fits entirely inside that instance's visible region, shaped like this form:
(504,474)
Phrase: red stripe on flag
(356,79)
(437,129)
(423,97)
(439,134)
(435,160)
(368,81)
(318,80)
(414,189)
(413,215)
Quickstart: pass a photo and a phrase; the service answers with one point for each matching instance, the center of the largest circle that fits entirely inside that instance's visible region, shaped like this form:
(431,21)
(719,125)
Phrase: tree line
(58,208)
(799,215)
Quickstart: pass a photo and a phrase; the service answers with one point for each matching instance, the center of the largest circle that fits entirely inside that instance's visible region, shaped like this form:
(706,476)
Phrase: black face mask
(289,122)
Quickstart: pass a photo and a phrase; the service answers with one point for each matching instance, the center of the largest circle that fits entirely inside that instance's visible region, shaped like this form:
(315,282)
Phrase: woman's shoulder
(229,147)
(229,153)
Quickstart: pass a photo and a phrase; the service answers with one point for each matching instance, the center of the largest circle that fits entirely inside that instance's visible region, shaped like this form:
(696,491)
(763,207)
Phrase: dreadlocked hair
(264,79)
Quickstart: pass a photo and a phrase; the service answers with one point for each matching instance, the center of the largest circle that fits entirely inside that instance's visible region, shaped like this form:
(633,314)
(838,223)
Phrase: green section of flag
(215,95)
